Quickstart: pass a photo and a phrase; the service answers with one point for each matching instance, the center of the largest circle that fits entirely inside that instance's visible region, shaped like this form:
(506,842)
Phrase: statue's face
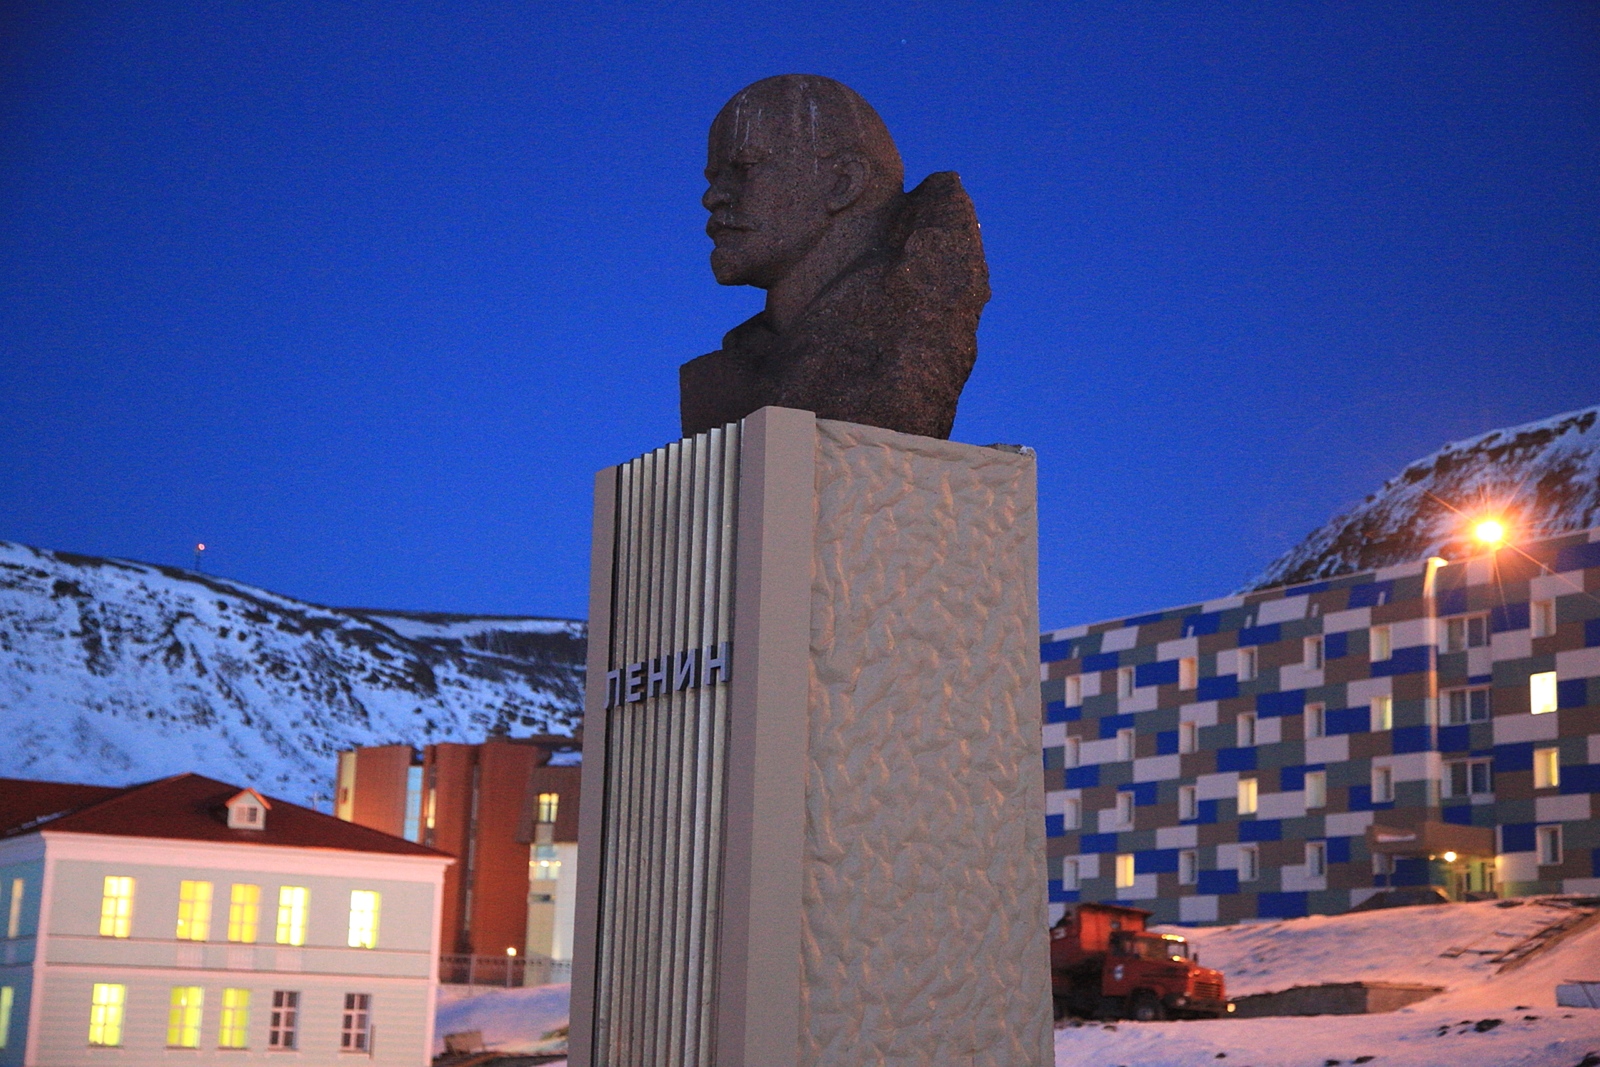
(767,196)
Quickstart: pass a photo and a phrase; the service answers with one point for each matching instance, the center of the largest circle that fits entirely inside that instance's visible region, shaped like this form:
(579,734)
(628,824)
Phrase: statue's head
(791,158)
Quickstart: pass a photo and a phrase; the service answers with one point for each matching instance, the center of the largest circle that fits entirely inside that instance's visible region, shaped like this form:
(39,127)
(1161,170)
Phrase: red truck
(1104,964)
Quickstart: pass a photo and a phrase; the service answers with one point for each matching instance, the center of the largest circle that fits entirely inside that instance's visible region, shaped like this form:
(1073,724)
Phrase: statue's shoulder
(938,241)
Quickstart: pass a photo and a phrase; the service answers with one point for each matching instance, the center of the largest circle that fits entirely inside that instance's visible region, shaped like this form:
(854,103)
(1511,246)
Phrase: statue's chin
(728,270)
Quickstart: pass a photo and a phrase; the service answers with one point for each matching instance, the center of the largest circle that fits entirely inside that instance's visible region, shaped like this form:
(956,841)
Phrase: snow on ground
(1391,945)
(1482,1020)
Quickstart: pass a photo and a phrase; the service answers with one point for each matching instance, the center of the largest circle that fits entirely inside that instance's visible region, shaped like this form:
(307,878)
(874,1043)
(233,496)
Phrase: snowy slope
(1391,945)
(1544,476)
(113,672)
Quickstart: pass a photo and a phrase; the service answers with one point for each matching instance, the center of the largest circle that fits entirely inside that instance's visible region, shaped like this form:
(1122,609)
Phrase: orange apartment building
(507,809)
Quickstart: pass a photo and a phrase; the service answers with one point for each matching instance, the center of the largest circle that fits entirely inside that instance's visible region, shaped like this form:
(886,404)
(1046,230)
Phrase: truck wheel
(1147,1009)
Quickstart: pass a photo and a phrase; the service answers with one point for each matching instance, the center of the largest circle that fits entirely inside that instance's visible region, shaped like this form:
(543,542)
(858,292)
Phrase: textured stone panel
(924,905)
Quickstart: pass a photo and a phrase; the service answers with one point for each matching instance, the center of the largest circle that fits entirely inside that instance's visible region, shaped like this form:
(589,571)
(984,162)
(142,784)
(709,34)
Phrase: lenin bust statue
(873,293)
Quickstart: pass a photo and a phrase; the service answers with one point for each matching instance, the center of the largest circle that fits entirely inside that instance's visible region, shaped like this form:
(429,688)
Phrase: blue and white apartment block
(1296,750)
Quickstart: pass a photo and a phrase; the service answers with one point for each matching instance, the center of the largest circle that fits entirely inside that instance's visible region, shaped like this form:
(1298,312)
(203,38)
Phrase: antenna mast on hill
(199,554)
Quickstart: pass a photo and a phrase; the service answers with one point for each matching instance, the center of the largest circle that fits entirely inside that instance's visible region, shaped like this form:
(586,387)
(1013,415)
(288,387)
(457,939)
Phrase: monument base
(830,849)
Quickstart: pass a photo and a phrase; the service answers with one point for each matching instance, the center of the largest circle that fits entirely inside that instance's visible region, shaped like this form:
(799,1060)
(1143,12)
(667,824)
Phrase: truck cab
(1106,964)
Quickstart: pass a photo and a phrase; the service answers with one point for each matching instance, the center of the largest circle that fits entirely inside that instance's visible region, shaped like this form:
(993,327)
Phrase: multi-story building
(508,809)
(188,916)
(1296,750)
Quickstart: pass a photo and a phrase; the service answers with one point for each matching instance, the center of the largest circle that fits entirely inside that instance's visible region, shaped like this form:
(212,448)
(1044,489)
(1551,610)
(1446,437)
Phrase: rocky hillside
(113,672)
(1544,478)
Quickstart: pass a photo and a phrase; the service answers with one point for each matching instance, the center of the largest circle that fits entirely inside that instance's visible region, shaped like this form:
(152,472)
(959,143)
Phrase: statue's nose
(717,195)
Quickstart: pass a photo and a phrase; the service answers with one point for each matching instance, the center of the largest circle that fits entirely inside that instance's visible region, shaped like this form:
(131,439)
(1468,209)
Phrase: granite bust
(873,293)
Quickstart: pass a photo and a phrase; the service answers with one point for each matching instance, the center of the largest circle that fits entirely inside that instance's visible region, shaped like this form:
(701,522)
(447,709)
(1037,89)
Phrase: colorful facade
(1296,750)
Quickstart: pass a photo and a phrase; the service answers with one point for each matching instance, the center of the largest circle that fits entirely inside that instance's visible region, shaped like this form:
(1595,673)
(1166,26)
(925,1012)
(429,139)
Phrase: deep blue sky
(361,293)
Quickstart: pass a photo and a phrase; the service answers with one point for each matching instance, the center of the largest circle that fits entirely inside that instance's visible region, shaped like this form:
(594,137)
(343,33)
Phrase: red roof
(188,807)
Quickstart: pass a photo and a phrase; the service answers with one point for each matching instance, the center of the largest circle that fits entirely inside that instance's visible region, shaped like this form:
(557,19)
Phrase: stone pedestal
(813,816)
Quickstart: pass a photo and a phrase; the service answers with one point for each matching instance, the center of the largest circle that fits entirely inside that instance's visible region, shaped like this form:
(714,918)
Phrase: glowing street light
(1449,857)
(1491,532)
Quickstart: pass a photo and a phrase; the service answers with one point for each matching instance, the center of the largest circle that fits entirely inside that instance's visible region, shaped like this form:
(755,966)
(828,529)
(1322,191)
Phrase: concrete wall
(882,895)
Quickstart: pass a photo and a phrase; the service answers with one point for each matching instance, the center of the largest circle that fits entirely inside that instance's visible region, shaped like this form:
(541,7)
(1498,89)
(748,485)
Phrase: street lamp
(1490,532)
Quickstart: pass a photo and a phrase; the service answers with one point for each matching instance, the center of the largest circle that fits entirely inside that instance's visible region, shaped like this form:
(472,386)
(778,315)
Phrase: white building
(187,917)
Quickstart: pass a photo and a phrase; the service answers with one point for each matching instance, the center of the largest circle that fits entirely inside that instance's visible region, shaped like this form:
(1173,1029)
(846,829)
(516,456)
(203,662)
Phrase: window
(1546,768)
(1124,810)
(1188,867)
(363,919)
(1074,691)
(1316,719)
(1125,682)
(1188,673)
(1124,870)
(116,912)
(292,900)
(1382,784)
(1383,713)
(1249,863)
(1316,789)
(1188,737)
(548,803)
(1188,802)
(1069,875)
(7,995)
(1072,815)
(105,1014)
(14,918)
(194,911)
(1247,796)
(1542,692)
(1313,653)
(1072,752)
(1382,863)
(1125,743)
(355,1031)
(1380,644)
(1316,859)
(411,828)
(183,1016)
(1468,777)
(1542,617)
(1549,845)
(1466,631)
(285,1019)
(1244,730)
(1248,661)
(235,1029)
(1465,705)
(244,912)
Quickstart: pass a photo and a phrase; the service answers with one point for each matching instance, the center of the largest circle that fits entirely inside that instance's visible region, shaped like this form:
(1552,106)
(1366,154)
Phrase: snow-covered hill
(1543,476)
(114,672)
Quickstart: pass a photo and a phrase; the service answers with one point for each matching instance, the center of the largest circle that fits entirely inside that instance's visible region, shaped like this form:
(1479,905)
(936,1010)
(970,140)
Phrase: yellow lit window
(183,1016)
(292,914)
(1543,693)
(105,1014)
(235,1029)
(548,803)
(14,916)
(244,912)
(1124,870)
(194,911)
(116,909)
(363,918)
(1247,796)
(7,994)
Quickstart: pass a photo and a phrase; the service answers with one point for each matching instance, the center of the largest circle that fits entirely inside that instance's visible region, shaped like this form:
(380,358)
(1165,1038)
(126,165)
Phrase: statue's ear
(851,174)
